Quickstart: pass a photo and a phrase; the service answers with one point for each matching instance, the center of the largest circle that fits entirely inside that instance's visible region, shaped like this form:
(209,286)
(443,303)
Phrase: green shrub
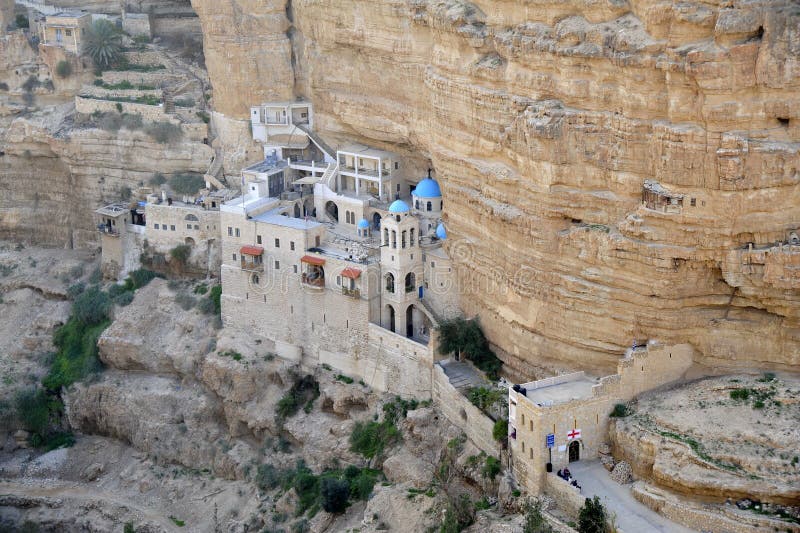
(216,295)
(592,518)
(491,467)
(620,411)
(139,278)
(303,391)
(21,22)
(33,410)
(370,439)
(205,306)
(185,300)
(500,431)
(459,514)
(128,528)
(465,337)
(91,307)
(180,254)
(119,107)
(165,132)
(187,183)
(64,69)
(157,179)
(185,102)
(76,289)
(485,397)
(534,519)
(123,299)
(335,493)
(344,379)
(740,394)
(205,117)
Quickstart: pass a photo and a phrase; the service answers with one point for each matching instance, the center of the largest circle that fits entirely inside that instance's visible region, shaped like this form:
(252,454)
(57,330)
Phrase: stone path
(631,515)
(462,375)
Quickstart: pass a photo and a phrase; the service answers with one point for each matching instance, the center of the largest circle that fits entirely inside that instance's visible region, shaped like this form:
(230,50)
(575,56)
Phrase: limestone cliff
(53,176)
(542,120)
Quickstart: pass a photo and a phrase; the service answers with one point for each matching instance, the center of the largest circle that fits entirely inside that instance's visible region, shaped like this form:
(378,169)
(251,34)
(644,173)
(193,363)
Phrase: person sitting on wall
(560,474)
(575,484)
(567,474)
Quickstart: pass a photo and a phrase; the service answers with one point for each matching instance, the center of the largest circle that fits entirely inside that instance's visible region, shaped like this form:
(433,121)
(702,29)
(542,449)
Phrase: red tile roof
(350,272)
(312,260)
(251,250)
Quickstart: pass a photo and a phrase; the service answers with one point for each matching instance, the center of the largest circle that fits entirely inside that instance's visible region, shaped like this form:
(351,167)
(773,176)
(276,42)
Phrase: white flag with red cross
(574,434)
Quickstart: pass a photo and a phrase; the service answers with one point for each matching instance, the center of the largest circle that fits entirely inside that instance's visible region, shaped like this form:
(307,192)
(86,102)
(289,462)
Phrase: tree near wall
(63,69)
(103,43)
(592,518)
(465,338)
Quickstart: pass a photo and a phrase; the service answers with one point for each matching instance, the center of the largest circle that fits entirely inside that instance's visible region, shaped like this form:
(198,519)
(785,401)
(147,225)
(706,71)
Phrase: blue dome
(428,188)
(363,224)
(440,231)
(398,206)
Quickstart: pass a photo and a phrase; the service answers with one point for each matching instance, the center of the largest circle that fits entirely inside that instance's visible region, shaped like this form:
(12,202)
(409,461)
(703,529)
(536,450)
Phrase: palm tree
(103,43)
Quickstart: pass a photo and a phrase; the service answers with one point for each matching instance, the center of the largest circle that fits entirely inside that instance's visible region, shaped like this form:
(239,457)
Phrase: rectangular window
(230,231)
(234,257)
(68,32)
(237,232)
(433,264)
(277,265)
(316,240)
(172,227)
(396,165)
(188,226)
(338,280)
(295,268)
(155,226)
(277,243)
(163,227)
(258,239)
(291,245)
(196,226)
(693,202)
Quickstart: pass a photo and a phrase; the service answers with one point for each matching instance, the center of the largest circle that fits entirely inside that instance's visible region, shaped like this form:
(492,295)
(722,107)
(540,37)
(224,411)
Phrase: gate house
(574,408)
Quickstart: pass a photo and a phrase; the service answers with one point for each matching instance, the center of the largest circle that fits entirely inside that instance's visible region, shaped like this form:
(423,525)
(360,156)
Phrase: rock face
(542,122)
(53,177)
(727,437)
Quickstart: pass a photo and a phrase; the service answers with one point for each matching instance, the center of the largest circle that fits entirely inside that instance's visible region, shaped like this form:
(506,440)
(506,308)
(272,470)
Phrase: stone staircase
(214,175)
(169,102)
(329,177)
(330,152)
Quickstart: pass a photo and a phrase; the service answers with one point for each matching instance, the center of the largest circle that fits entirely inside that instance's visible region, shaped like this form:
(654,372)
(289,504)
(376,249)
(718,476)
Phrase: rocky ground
(723,437)
(181,423)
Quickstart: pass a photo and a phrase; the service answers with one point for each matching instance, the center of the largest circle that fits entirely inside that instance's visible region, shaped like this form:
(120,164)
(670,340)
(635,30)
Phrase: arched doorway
(297,211)
(418,324)
(332,210)
(574,451)
(189,241)
(410,321)
(389,319)
(376,220)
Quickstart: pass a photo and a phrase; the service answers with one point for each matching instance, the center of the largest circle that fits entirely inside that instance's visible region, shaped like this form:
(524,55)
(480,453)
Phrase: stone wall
(461,413)
(93,91)
(170,226)
(137,24)
(642,369)
(568,498)
(152,113)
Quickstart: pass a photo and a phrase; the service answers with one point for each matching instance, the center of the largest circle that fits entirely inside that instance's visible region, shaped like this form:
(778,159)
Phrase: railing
(313,282)
(329,177)
(252,265)
(108,231)
(353,293)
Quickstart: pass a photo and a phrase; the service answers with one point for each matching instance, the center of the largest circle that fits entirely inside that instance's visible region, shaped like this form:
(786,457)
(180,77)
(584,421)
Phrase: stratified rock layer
(542,120)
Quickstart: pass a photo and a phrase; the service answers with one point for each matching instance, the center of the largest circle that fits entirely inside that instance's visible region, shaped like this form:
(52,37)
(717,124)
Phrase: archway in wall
(389,321)
(376,220)
(297,213)
(410,321)
(574,449)
(189,241)
(332,210)
(411,282)
(418,324)
(389,282)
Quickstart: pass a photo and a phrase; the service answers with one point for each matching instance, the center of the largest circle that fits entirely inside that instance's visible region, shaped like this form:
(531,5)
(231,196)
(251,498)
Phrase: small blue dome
(440,231)
(398,206)
(428,188)
(363,224)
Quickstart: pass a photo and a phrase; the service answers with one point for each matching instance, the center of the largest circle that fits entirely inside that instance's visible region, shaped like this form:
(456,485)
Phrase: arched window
(193,218)
(403,239)
(385,237)
(429,206)
(411,237)
(390,283)
(394,239)
(416,204)
(410,282)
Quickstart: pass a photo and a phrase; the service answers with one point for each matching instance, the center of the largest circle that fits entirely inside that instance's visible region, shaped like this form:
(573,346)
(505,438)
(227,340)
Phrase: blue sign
(551,440)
